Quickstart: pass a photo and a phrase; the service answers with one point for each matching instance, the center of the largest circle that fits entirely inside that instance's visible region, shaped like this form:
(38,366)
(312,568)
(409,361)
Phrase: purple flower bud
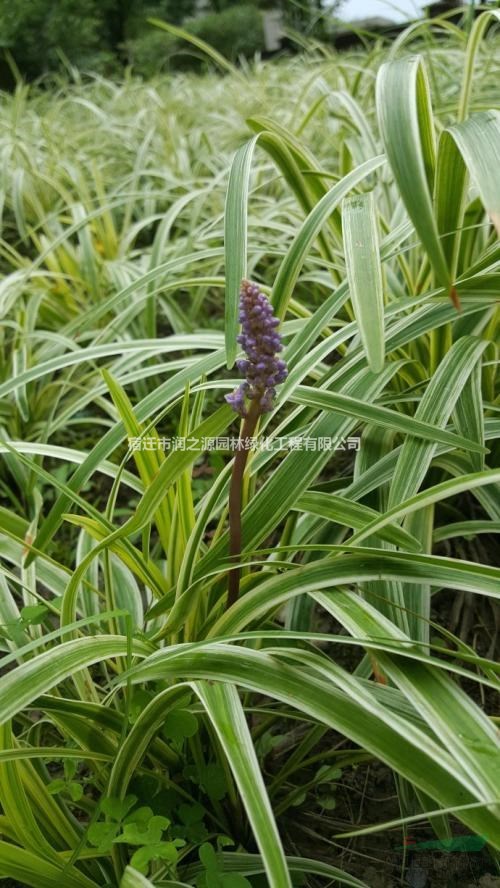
(260,341)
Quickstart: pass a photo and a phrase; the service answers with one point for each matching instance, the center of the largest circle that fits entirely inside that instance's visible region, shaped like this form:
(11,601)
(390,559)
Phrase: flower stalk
(263,371)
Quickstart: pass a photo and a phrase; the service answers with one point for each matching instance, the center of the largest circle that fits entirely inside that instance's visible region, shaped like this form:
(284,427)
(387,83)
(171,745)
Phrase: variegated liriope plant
(150,733)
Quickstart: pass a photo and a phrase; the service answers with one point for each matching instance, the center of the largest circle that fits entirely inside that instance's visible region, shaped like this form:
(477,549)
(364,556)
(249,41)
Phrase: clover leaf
(102,835)
(33,614)
(214,877)
(160,851)
(117,809)
(144,832)
(179,725)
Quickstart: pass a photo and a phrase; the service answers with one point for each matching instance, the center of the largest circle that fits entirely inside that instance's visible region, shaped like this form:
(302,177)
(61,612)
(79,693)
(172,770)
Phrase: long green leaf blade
(228,718)
(361,247)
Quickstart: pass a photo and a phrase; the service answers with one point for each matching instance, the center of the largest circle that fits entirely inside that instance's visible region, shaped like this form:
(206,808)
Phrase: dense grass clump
(153,730)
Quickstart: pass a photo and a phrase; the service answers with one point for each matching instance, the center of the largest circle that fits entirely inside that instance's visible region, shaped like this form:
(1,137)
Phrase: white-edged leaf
(364,273)
(226,713)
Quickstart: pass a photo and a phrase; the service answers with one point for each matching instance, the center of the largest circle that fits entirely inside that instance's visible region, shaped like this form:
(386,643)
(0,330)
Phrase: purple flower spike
(261,342)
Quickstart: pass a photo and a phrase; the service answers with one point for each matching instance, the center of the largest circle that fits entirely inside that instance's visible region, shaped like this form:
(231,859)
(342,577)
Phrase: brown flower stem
(235,499)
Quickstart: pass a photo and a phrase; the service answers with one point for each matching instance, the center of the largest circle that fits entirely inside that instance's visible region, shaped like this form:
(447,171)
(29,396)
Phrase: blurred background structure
(106,36)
